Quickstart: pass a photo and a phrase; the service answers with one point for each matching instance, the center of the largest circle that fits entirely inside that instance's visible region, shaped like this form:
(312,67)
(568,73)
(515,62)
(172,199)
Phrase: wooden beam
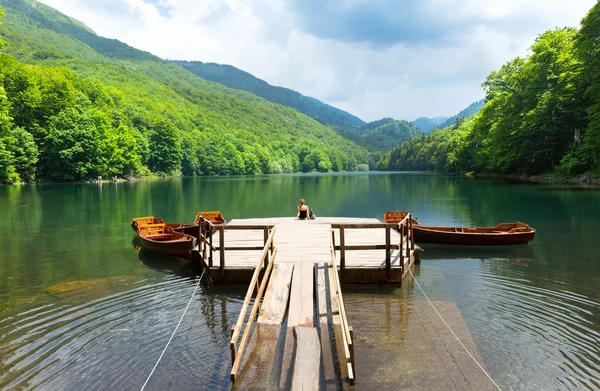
(222,249)
(367,247)
(388,263)
(363,226)
(342,250)
(308,360)
(247,227)
(261,289)
(301,310)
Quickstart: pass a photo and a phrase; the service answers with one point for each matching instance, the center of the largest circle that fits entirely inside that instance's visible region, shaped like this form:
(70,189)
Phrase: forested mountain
(74,105)
(473,108)
(542,114)
(428,124)
(233,77)
(382,135)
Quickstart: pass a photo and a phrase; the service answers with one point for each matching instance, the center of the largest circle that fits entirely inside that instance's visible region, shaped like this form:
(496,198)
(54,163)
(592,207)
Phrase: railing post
(412,238)
(388,264)
(222,249)
(210,256)
(402,230)
(342,251)
(204,241)
(266,237)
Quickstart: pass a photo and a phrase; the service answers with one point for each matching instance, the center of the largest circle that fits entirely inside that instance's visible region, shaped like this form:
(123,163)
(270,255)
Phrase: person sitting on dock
(302,210)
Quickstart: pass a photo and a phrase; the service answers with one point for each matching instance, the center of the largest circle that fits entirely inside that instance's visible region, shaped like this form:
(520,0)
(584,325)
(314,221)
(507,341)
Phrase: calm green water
(80,307)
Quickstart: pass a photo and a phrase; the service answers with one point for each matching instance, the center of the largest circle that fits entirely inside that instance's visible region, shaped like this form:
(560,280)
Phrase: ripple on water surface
(113,342)
(531,337)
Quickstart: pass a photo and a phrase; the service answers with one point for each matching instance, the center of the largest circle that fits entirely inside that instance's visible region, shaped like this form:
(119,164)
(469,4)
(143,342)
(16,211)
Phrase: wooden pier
(295,269)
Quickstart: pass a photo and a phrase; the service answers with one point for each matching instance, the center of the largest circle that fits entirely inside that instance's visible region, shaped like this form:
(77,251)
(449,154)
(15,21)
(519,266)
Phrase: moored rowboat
(153,220)
(216,218)
(502,234)
(163,239)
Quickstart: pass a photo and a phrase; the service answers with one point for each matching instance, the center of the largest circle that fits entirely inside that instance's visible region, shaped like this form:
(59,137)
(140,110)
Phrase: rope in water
(174,331)
(459,341)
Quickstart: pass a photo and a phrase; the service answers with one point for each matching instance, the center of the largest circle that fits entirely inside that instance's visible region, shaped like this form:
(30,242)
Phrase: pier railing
(347,331)
(207,231)
(405,246)
(237,352)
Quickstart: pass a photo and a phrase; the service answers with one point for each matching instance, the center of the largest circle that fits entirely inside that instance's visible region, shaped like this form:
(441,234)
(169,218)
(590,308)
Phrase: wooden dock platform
(295,270)
(299,266)
(363,258)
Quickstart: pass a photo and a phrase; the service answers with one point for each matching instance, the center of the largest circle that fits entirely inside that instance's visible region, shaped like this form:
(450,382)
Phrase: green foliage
(238,79)
(78,145)
(24,153)
(165,147)
(91,105)
(384,134)
(534,119)
(7,171)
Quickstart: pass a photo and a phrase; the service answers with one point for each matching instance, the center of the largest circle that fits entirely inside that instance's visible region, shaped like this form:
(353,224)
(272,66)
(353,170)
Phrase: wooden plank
(301,312)
(278,292)
(362,226)
(308,359)
(240,352)
(342,251)
(222,250)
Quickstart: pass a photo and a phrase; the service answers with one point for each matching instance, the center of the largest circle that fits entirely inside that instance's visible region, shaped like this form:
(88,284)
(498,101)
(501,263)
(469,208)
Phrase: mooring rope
(174,331)
(459,341)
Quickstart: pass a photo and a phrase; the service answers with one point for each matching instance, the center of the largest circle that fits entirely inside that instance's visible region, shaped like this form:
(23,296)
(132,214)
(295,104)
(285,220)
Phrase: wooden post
(402,247)
(333,241)
(266,237)
(351,348)
(204,240)
(388,263)
(342,251)
(210,256)
(222,249)
(412,237)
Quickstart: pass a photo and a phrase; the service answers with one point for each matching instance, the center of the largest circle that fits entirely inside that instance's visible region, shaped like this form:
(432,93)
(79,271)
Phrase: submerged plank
(308,359)
(301,312)
(278,292)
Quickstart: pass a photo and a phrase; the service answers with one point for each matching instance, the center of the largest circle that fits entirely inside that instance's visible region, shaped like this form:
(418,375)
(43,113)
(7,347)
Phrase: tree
(165,147)
(24,152)
(77,145)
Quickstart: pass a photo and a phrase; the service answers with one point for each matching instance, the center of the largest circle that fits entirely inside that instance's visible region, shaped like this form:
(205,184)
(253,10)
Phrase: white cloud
(403,79)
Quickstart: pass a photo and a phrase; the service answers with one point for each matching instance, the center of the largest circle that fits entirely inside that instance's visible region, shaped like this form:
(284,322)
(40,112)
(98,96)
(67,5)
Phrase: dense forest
(233,77)
(541,116)
(75,106)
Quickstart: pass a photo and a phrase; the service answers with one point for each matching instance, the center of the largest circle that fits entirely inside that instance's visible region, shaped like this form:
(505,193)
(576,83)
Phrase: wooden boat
(216,218)
(163,239)
(502,234)
(153,220)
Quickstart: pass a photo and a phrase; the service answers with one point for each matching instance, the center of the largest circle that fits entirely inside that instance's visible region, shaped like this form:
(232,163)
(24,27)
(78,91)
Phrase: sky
(373,58)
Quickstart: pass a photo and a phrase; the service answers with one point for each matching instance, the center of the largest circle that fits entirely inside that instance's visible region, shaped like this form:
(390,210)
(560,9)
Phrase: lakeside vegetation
(541,116)
(75,106)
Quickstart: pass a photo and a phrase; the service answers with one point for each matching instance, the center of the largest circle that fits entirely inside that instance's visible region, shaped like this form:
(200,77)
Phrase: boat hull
(433,236)
(176,246)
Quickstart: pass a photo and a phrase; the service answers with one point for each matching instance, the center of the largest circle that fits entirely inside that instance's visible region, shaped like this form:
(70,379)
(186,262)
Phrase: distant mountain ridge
(384,134)
(428,124)
(473,108)
(233,77)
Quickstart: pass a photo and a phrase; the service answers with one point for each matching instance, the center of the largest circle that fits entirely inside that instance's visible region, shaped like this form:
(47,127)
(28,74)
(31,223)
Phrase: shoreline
(548,179)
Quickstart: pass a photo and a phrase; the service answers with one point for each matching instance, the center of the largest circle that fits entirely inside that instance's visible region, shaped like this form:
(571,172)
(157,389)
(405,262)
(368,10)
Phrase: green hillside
(120,93)
(541,115)
(473,108)
(236,78)
(384,134)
